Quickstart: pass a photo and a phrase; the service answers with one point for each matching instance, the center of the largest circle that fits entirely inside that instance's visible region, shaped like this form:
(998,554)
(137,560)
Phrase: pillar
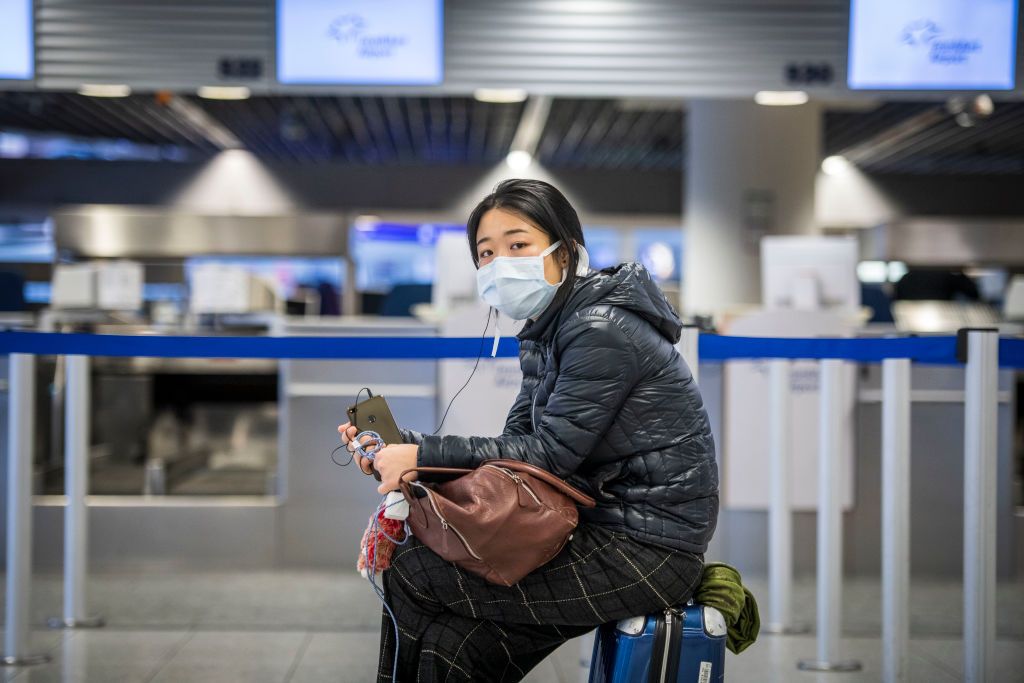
(749,171)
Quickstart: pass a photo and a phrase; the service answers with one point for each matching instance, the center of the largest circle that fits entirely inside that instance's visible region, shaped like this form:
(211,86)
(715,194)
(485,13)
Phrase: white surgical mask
(516,286)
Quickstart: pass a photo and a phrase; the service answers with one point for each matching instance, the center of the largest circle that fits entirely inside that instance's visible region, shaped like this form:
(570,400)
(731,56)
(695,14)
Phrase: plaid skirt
(454,626)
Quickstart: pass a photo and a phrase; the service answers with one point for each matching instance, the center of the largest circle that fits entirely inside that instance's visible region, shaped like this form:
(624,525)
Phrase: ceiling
(596,134)
(927,139)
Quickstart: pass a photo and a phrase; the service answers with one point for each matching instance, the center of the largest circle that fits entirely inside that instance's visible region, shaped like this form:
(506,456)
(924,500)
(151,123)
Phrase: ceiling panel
(580,133)
(929,138)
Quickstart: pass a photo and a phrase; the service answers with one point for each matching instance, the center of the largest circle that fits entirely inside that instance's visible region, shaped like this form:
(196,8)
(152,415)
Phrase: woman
(606,403)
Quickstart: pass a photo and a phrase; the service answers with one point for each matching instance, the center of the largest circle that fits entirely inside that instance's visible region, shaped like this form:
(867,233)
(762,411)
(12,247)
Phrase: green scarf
(720,587)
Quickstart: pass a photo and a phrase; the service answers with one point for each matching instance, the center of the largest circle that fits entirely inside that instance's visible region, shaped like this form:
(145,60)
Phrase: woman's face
(503,233)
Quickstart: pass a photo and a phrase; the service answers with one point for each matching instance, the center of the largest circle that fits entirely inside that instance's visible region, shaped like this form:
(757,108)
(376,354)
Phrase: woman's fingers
(347,431)
(348,437)
(365,464)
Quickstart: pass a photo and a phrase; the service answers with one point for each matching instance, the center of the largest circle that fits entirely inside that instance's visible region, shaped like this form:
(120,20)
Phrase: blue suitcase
(679,645)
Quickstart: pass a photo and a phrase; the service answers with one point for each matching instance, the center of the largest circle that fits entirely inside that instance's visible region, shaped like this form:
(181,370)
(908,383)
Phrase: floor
(304,627)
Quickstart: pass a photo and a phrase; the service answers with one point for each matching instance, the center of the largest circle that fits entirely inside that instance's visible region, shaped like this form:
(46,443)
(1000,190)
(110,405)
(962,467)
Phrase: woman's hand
(391,461)
(348,434)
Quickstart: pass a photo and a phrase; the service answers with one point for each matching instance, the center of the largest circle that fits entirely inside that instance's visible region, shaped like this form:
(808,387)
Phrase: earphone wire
(374,522)
(351,455)
(479,355)
(372,570)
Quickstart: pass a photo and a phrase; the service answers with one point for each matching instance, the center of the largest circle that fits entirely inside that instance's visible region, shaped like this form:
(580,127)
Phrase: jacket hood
(628,286)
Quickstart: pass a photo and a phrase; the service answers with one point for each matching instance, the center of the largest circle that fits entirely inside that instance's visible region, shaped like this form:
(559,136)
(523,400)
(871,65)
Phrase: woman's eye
(484,254)
(519,245)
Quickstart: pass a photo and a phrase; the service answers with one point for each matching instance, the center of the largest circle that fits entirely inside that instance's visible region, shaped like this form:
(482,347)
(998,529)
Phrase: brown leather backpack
(501,520)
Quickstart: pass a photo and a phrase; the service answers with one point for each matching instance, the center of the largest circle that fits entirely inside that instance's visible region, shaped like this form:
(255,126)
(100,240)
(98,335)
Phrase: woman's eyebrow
(507,233)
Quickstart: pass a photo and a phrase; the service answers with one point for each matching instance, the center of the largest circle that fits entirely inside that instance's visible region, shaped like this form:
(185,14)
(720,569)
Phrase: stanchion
(689,347)
(76,485)
(20,414)
(780,514)
(981,389)
(895,519)
(830,524)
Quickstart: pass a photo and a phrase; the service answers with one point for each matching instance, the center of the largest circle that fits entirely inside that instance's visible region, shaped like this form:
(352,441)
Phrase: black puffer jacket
(609,404)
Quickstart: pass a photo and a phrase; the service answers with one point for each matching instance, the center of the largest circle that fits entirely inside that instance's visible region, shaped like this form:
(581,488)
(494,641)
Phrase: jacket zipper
(444,522)
(533,407)
(517,479)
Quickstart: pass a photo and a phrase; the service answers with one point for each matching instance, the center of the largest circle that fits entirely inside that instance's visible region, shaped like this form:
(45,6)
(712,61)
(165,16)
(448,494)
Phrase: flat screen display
(932,44)
(16,62)
(372,42)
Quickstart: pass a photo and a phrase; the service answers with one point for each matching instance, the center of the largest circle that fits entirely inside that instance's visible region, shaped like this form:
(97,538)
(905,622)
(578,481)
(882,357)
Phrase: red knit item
(378,546)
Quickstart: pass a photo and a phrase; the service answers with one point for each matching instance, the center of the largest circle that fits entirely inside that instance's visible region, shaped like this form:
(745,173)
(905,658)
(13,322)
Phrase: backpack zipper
(445,524)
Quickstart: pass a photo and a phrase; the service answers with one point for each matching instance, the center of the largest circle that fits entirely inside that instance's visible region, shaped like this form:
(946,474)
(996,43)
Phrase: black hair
(543,206)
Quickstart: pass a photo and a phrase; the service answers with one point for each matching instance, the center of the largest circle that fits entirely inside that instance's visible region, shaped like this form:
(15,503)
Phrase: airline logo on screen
(351,29)
(347,28)
(396,42)
(925,34)
(932,44)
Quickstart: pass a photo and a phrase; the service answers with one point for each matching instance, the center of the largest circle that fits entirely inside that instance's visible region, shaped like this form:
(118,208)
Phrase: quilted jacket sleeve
(598,367)
(519,420)
(410,436)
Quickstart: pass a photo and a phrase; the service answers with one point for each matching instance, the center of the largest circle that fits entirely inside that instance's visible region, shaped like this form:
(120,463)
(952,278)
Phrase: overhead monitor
(16,60)
(932,44)
(360,42)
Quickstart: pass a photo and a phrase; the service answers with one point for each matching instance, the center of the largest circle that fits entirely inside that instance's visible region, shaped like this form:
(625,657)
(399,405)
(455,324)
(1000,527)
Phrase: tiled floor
(306,627)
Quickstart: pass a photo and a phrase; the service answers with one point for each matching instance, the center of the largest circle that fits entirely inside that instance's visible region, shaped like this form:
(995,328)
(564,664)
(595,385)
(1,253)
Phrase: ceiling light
(835,164)
(500,95)
(104,90)
(781,98)
(983,105)
(222,92)
(518,160)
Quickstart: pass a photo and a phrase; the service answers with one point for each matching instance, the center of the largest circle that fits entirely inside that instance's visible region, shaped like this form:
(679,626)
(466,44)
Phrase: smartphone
(374,415)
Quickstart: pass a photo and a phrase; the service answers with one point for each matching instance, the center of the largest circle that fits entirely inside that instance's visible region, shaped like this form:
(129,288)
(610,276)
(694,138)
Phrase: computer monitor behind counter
(809,273)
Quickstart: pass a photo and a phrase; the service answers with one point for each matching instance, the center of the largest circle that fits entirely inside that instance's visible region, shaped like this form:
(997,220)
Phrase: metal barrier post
(780,514)
(981,389)
(76,485)
(20,411)
(895,519)
(830,524)
(689,346)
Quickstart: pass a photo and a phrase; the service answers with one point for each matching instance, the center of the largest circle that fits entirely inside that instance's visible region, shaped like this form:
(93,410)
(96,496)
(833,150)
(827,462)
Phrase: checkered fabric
(454,626)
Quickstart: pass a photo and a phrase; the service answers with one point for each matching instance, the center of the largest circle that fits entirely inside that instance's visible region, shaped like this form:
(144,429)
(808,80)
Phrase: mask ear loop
(497,335)
(583,260)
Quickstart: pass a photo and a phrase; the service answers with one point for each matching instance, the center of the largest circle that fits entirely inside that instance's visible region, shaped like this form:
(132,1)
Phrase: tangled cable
(369,451)
(372,447)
